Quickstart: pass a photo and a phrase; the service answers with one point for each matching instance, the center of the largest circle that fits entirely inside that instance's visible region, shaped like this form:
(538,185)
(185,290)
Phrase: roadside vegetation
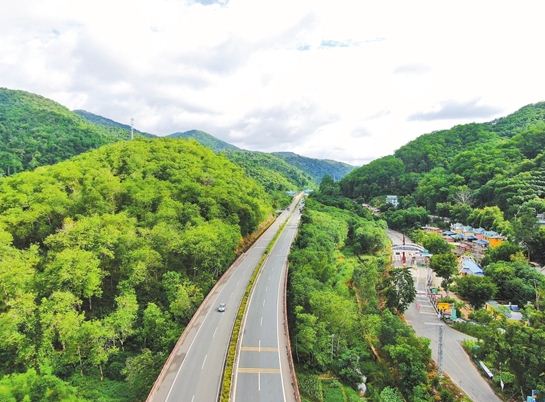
(105,257)
(345,303)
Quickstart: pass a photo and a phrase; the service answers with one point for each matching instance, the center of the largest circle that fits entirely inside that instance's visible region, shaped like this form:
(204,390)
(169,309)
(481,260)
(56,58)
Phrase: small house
(468,266)
(494,239)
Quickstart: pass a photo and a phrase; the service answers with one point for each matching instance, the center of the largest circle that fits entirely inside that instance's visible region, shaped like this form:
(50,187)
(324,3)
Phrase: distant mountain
(36,131)
(104,121)
(274,173)
(206,139)
(317,168)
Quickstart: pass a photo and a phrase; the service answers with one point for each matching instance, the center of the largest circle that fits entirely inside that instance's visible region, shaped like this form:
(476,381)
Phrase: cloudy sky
(347,80)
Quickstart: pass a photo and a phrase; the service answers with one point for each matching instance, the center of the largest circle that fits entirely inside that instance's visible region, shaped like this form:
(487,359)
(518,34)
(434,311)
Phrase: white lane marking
(242,331)
(192,399)
(214,334)
(263,302)
(244,326)
(204,361)
(259,345)
(261,322)
(191,345)
(266,289)
(259,381)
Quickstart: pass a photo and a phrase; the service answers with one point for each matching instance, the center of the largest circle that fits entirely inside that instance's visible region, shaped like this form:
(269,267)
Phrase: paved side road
(193,371)
(456,363)
(262,371)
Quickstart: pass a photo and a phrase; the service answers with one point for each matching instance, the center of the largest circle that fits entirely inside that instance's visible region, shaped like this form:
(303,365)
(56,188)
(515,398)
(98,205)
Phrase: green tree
(444,265)
(75,270)
(141,371)
(389,394)
(475,289)
(400,291)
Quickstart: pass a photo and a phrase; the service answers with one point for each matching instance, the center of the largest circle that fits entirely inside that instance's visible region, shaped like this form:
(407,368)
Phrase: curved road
(194,370)
(456,363)
(262,371)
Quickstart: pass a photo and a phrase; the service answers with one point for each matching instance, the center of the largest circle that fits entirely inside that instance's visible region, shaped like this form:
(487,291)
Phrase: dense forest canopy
(105,257)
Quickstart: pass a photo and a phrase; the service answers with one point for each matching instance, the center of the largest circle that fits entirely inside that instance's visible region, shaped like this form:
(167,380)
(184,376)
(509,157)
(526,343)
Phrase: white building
(392,199)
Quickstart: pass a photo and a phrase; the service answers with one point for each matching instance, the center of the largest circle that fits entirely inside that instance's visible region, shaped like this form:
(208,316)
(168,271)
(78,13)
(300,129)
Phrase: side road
(423,318)
(194,369)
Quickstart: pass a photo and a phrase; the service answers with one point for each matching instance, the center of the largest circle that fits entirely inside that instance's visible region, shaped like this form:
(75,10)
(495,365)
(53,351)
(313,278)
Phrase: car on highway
(221,307)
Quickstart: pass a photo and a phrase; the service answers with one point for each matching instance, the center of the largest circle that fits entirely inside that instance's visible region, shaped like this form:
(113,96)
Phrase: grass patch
(333,391)
(91,388)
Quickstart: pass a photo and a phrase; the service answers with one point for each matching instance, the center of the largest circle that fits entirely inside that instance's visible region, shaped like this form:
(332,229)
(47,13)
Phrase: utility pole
(132,128)
(440,350)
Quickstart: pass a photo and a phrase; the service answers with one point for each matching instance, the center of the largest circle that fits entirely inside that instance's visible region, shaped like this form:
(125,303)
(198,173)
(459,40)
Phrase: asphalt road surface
(262,372)
(423,318)
(194,370)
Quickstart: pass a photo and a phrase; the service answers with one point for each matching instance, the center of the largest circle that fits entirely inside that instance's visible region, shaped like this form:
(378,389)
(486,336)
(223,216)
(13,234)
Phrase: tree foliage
(105,257)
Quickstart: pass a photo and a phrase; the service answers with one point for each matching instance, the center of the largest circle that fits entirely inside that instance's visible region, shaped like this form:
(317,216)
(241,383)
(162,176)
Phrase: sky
(344,80)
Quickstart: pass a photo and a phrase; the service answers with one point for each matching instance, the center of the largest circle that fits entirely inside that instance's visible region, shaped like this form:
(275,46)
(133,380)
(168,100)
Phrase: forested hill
(316,168)
(206,139)
(498,163)
(272,172)
(36,131)
(490,175)
(105,257)
(104,121)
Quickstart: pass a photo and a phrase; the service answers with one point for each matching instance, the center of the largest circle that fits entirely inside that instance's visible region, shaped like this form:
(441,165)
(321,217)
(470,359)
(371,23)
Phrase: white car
(221,307)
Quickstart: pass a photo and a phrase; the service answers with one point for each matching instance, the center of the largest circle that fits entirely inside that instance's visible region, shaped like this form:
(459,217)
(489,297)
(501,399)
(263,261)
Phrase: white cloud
(350,80)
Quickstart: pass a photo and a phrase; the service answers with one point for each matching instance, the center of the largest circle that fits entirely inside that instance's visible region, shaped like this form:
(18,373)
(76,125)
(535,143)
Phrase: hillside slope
(104,121)
(272,172)
(316,168)
(205,139)
(480,157)
(36,131)
(105,257)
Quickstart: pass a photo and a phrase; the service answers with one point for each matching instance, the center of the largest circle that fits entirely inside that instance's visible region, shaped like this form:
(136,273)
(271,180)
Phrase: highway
(423,318)
(193,371)
(262,371)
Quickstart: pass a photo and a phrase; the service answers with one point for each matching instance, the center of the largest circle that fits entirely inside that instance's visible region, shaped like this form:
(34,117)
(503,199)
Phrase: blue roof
(470,266)
(482,242)
(490,233)
(448,233)
(479,230)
